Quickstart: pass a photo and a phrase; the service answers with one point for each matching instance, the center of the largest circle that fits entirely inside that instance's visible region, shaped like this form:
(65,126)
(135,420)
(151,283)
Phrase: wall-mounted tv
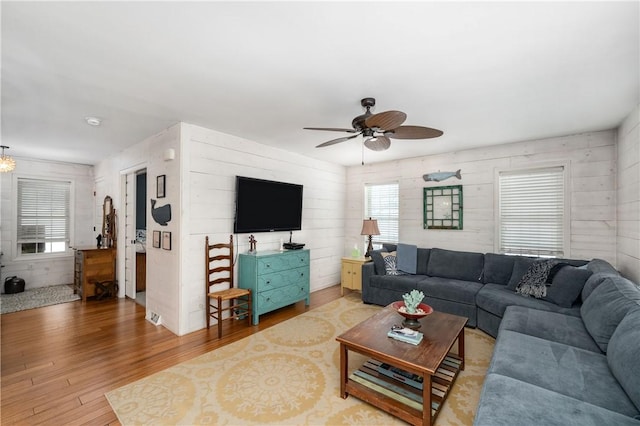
(267,206)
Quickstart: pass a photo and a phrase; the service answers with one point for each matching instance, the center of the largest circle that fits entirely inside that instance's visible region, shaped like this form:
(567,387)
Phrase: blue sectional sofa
(571,358)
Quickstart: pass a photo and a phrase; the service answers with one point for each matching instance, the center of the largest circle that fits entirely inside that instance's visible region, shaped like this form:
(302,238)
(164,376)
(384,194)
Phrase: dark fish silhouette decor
(162,214)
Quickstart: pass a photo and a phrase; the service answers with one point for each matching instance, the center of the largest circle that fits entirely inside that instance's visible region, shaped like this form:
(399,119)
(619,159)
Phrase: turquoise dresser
(276,279)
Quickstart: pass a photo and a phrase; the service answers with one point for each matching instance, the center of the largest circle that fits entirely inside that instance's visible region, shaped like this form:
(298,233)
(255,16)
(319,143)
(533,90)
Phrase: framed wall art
(443,207)
(166,240)
(161,186)
(156,239)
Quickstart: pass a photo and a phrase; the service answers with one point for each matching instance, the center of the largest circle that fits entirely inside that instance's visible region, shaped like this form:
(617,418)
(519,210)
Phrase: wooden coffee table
(431,361)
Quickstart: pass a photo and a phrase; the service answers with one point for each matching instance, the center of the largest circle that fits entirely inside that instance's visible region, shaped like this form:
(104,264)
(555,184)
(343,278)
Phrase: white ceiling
(484,73)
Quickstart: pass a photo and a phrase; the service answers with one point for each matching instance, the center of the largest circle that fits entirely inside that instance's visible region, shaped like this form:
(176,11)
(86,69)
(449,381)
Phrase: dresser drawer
(267,301)
(287,260)
(290,277)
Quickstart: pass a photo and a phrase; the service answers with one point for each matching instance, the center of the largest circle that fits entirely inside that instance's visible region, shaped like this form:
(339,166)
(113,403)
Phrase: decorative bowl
(411,320)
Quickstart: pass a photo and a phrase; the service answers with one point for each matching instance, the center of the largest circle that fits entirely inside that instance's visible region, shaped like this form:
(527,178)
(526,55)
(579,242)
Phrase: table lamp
(369,227)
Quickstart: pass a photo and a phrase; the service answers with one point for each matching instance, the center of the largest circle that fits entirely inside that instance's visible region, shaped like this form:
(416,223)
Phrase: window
(382,203)
(532,212)
(43,216)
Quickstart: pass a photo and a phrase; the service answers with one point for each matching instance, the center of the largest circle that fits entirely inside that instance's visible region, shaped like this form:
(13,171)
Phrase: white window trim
(567,200)
(16,255)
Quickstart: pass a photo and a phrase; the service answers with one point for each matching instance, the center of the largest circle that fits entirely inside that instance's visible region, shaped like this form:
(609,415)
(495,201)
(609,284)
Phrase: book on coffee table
(414,338)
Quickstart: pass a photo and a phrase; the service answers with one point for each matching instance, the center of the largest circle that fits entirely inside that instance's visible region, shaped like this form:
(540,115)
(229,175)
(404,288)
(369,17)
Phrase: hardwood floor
(59,361)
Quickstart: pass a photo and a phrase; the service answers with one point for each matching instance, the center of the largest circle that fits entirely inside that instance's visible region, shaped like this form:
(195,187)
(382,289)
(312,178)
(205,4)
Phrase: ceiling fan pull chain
(362,145)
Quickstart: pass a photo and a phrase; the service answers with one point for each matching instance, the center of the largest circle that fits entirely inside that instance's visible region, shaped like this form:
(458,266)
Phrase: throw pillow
(567,285)
(390,263)
(556,268)
(378,261)
(520,266)
(533,281)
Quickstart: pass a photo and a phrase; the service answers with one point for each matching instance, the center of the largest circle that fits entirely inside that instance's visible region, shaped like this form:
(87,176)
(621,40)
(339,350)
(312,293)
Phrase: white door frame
(127,246)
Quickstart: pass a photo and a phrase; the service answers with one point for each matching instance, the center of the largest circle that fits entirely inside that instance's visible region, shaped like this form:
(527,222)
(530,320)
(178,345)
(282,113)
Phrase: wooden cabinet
(275,278)
(351,275)
(93,265)
(141,272)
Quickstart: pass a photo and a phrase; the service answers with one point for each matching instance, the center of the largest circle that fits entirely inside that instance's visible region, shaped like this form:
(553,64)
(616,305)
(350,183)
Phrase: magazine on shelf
(404,376)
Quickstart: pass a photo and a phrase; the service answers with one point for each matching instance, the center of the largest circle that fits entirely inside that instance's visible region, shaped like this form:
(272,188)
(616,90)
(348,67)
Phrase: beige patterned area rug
(285,375)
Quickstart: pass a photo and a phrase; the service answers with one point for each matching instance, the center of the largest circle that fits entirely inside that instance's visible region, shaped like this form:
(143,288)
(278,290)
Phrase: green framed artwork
(443,207)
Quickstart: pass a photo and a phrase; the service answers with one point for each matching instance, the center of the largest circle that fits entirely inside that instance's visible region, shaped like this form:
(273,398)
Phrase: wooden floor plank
(57,362)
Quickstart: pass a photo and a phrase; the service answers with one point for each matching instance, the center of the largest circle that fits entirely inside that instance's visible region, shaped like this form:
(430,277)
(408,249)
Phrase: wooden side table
(351,275)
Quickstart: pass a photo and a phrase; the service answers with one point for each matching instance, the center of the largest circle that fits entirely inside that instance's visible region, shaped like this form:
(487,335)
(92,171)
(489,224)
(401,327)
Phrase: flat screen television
(267,206)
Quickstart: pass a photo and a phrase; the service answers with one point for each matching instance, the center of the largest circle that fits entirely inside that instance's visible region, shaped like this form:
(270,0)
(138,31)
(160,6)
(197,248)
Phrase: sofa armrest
(368,270)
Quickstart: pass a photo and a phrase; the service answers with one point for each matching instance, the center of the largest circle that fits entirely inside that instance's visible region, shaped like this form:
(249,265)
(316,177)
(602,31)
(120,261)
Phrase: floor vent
(154,318)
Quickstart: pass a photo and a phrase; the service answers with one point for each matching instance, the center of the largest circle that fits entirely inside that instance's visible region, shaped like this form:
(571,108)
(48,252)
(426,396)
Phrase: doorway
(134,186)
(141,236)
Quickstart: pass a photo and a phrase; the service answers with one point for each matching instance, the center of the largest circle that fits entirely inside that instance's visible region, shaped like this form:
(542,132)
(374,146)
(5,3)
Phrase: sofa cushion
(607,306)
(570,371)
(520,266)
(497,268)
(505,401)
(459,265)
(495,298)
(599,265)
(623,355)
(567,285)
(401,283)
(450,289)
(553,326)
(601,269)
(423,261)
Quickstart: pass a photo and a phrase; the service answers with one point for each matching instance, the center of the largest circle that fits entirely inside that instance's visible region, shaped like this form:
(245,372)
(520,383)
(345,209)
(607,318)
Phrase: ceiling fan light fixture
(7,164)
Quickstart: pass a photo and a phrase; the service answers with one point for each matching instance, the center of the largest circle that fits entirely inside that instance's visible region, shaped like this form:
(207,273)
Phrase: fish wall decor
(440,176)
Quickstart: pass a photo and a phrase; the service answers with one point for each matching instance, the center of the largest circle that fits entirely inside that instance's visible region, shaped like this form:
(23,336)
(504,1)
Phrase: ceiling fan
(378,128)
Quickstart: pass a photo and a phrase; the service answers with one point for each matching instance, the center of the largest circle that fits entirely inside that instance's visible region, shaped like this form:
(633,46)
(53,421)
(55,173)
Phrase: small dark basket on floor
(13,285)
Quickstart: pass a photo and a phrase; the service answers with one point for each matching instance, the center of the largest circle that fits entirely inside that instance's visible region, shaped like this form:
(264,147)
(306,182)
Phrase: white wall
(201,191)
(591,158)
(163,266)
(211,162)
(42,271)
(628,197)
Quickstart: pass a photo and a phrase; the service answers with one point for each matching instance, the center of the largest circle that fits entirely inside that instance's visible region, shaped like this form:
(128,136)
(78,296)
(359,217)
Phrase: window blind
(531,210)
(382,203)
(43,211)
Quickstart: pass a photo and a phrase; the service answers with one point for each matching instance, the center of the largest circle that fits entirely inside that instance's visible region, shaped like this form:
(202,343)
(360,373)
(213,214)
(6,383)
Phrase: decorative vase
(411,320)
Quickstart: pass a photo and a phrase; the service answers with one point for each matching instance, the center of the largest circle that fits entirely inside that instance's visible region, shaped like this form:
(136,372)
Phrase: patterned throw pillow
(533,282)
(391,263)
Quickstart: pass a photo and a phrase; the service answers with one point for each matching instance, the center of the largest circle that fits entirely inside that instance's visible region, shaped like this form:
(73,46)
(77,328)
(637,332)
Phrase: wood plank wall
(592,163)
(212,162)
(628,197)
(50,271)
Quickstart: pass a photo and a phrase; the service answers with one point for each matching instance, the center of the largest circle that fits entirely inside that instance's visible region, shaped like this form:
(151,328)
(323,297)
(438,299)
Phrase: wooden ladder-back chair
(219,270)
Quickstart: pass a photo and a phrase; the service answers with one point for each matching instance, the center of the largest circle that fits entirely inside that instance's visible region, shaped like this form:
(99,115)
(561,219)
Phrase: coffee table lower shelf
(392,393)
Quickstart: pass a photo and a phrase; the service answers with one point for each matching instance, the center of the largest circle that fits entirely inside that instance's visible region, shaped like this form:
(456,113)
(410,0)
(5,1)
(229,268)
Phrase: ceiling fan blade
(413,132)
(379,143)
(335,141)
(330,129)
(387,120)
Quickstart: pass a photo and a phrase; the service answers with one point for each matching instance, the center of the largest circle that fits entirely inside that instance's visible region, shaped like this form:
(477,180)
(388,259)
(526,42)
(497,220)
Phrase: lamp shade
(370,227)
